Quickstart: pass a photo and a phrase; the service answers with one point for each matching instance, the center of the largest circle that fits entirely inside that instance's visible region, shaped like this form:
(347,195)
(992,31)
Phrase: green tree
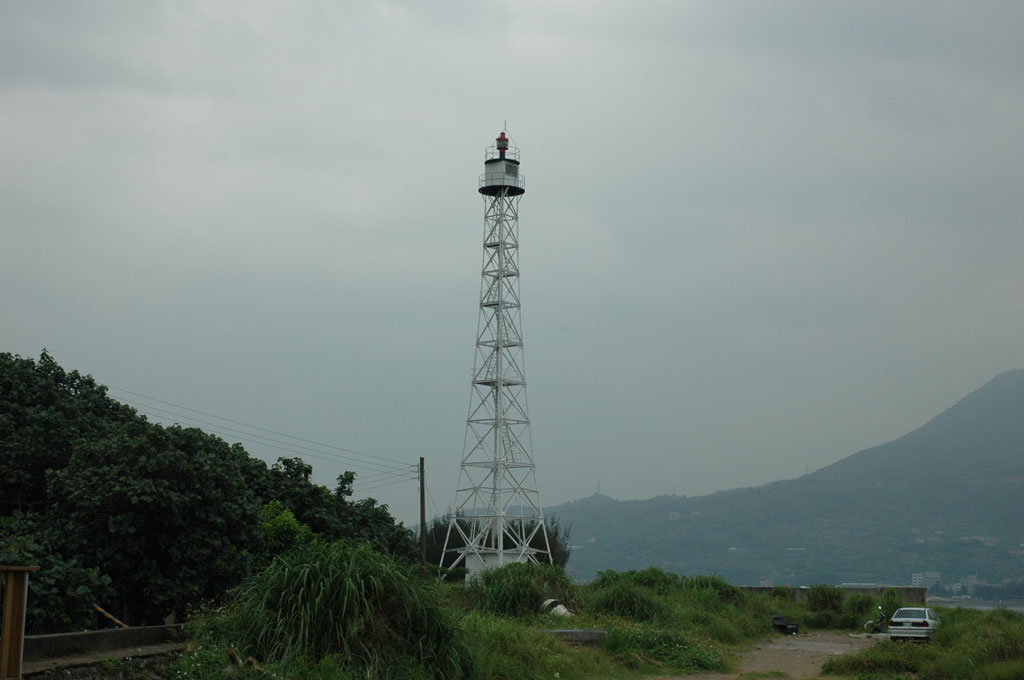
(171,514)
(280,532)
(558,540)
(45,412)
(166,514)
(288,481)
(62,592)
(367,521)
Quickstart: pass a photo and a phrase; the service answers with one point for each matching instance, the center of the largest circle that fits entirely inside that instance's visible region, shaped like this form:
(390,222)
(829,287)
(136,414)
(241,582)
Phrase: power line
(377,480)
(257,427)
(392,483)
(411,470)
(265,441)
(384,471)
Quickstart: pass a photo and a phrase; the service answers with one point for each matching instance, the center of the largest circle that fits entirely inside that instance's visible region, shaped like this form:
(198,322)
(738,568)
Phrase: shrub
(369,609)
(857,609)
(608,577)
(823,598)
(784,593)
(723,592)
(859,604)
(655,578)
(627,600)
(520,588)
(892,599)
(822,620)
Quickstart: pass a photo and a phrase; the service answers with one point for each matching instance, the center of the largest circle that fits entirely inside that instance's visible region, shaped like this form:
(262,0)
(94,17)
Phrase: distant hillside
(947,497)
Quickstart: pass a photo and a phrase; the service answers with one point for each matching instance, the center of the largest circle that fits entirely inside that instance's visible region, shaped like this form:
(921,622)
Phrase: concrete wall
(911,594)
(41,647)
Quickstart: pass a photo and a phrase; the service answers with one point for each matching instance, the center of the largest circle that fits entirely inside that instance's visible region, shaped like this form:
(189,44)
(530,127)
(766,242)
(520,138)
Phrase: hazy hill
(947,497)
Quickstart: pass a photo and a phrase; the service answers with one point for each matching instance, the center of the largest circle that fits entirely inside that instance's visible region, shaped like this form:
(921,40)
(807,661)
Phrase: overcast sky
(757,236)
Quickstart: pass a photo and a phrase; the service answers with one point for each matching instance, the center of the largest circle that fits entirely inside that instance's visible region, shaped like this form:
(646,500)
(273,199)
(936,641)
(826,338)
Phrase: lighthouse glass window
(511,169)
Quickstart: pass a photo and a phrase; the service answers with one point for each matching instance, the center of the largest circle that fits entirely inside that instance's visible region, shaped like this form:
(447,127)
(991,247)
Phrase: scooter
(876,625)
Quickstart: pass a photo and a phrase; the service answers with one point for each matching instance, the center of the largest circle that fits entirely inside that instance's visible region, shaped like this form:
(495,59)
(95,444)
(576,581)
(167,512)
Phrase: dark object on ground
(785,627)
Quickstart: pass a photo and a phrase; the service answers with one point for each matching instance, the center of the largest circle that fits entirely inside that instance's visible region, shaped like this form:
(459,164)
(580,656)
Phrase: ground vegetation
(969,645)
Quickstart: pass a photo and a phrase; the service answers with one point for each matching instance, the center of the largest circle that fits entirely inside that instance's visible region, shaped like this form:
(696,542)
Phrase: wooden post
(12,639)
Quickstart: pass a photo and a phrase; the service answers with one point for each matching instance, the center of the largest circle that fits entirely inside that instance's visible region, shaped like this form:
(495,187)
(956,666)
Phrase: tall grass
(520,589)
(628,600)
(678,622)
(362,607)
(336,612)
(655,579)
(505,648)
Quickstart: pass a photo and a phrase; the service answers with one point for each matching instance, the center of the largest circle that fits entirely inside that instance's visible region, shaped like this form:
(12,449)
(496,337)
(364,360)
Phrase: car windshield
(908,614)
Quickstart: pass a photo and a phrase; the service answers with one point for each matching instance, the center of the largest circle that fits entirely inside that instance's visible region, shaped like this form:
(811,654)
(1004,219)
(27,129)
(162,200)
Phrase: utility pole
(423,516)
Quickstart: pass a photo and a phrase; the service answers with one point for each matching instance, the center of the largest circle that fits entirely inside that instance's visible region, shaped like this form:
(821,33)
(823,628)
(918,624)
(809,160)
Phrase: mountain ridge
(947,496)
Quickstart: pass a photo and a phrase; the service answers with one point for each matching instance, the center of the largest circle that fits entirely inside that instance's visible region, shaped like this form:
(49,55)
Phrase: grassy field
(330,611)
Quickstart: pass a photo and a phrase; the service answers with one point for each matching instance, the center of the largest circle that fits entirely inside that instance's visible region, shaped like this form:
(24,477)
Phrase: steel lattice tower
(497,517)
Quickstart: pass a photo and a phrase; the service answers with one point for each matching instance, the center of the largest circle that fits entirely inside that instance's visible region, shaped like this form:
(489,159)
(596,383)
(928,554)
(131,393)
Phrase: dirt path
(798,656)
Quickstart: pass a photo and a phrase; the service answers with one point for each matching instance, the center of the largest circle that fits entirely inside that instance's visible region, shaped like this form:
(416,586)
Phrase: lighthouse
(497,517)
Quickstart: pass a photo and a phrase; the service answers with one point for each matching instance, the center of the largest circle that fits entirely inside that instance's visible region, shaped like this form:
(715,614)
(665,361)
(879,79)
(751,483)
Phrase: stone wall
(911,594)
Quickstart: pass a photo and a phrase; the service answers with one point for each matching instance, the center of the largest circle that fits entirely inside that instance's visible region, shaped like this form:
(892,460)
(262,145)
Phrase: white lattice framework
(497,517)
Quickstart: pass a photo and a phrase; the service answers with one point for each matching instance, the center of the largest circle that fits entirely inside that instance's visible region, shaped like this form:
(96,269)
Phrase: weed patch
(635,646)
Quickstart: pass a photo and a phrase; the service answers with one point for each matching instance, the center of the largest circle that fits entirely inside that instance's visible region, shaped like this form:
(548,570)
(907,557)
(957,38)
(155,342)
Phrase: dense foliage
(143,519)
(63,591)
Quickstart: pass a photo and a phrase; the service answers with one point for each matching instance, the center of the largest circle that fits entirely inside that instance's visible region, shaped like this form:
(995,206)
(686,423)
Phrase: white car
(913,622)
